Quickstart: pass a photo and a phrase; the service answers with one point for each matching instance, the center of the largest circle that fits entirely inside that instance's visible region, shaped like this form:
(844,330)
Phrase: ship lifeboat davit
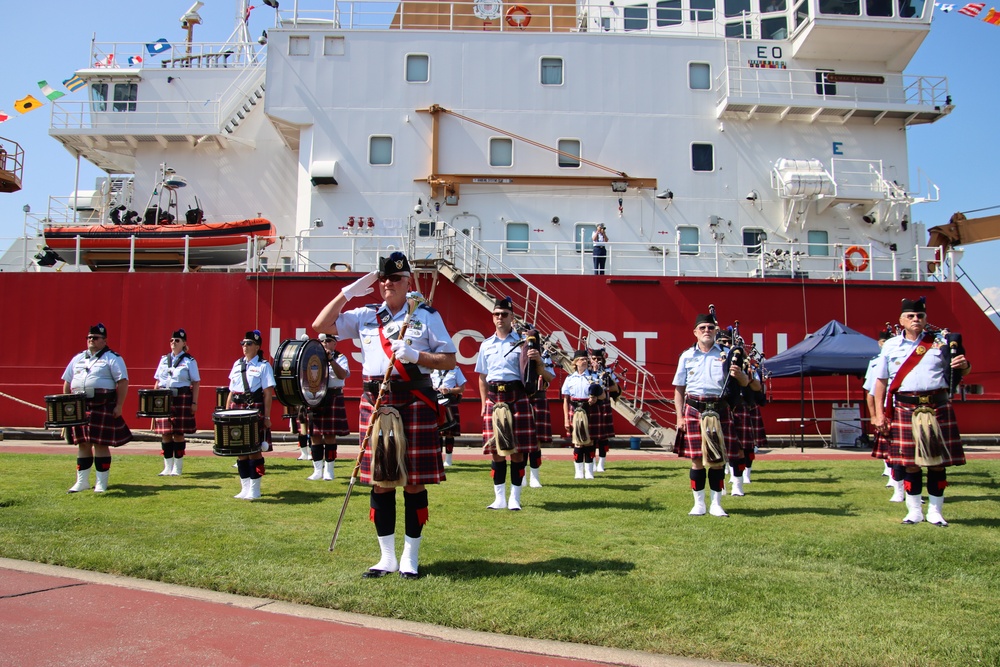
(159,247)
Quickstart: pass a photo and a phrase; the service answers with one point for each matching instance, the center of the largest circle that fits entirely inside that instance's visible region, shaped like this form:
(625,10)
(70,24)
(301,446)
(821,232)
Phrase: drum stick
(412,306)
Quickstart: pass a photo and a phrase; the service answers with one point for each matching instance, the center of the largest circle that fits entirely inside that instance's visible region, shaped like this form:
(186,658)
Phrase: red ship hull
(649,319)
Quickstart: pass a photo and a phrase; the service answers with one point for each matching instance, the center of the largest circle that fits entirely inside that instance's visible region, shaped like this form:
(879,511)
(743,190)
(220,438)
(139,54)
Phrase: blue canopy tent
(833,349)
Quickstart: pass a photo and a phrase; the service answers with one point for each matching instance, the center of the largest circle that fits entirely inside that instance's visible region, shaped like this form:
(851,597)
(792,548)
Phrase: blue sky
(50,39)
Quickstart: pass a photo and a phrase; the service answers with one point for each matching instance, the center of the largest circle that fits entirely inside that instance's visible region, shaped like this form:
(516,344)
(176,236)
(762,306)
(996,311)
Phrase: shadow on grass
(291,497)
(591,504)
(791,511)
(782,471)
(771,493)
(978,523)
(560,567)
(952,498)
(206,475)
(802,480)
(140,490)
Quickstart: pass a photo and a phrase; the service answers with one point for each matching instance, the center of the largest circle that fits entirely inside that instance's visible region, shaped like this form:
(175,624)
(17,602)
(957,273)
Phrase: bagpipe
(531,373)
(606,377)
(736,354)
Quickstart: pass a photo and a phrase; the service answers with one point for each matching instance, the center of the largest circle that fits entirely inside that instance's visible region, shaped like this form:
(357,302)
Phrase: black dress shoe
(409,575)
(375,574)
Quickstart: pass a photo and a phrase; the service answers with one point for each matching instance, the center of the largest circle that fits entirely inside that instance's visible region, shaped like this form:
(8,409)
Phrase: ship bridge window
(687,240)
(517,236)
(700,76)
(636,18)
(772,6)
(702,157)
(737,7)
(668,12)
(911,9)
(801,14)
(753,239)
(501,152)
(379,150)
(124,96)
(840,7)
(569,153)
(418,68)
(741,30)
(775,27)
(551,72)
(879,8)
(819,243)
(702,10)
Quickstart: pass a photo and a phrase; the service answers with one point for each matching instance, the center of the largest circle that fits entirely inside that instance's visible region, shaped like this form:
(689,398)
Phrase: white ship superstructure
(741,138)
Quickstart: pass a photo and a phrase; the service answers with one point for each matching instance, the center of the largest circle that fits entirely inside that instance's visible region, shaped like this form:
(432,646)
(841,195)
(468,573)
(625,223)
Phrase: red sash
(404,373)
(909,364)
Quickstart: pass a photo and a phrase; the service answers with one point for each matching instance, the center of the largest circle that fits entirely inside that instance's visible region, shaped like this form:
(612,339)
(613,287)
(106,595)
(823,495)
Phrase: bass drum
(300,373)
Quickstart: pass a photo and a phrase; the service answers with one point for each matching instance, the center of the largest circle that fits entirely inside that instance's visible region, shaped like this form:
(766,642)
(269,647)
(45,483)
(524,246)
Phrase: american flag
(972,9)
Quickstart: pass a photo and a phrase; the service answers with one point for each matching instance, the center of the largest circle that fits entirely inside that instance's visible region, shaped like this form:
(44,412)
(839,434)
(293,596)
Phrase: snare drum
(237,432)
(221,398)
(65,410)
(154,403)
(300,373)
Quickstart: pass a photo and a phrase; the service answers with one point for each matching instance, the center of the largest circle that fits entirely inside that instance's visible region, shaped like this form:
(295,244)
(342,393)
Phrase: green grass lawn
(812,567)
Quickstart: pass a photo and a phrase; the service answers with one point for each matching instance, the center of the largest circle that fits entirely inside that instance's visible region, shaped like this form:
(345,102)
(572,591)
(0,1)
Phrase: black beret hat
(916,306)
(395,263)
(253,336)
(885,334)
(180,333)
(99,330)
(580,354)
(504,303)
(705,319)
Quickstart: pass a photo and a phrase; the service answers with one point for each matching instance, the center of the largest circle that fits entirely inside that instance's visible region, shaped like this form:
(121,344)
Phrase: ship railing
(460,16)
(180,117)
(179,55)
(810,87)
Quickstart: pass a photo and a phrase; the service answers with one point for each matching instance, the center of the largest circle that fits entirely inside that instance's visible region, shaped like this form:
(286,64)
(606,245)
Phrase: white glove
(361,286)
(404,352)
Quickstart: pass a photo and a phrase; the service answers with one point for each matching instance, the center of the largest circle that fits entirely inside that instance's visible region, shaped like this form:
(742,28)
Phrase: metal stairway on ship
(476,272)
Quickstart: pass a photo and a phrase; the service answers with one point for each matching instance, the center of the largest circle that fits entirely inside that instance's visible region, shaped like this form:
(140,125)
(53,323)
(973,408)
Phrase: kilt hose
(692,435)
(102,427)
(181,419)
(329,418)
(525,438)
(424,464)
(902,449)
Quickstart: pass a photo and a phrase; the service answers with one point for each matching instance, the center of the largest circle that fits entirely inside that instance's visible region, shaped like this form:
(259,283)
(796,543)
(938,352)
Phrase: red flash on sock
(259,468)
(371,515)
(907,486)
(694,485)
(422,515)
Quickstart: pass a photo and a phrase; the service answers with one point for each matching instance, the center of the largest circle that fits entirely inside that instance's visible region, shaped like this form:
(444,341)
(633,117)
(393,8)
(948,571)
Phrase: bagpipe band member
(581,396)
(100,374)
(703,414)
(880,446)
(178,372)
(251,387)
(426,345)
(449,385)
(913,404)
(746,422)
(543,420)
(328,420)
(508,422)
(602,428)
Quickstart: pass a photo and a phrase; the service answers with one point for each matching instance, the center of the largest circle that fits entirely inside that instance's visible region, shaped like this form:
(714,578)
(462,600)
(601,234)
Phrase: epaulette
(427,307)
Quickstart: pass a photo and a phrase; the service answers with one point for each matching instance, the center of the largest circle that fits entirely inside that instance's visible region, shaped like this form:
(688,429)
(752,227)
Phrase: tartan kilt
(880,448)
(102,428)
(692,435)
(423,442)
(758,434)
(181,419)
(902,450)
(543,417)
(602,424)
(525,438)
(330,416)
